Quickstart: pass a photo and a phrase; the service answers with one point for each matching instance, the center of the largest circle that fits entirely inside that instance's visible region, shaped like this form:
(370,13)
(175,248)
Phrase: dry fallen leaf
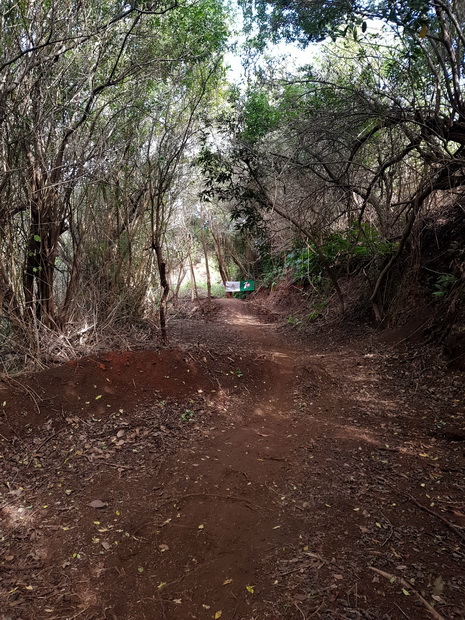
(97,503)
(225,583)
(438,586)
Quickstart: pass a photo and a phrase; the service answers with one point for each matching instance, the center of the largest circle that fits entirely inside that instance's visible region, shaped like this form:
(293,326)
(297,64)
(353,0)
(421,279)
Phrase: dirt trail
(262,479)
(230,485)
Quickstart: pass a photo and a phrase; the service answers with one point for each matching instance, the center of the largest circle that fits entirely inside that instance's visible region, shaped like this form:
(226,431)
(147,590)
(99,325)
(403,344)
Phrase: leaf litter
(132,462)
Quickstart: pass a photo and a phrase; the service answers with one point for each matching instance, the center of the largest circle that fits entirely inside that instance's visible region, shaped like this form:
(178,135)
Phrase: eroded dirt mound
(98,386)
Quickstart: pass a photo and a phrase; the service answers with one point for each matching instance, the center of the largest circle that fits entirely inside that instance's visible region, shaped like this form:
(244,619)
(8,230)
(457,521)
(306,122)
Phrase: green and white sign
(243,286)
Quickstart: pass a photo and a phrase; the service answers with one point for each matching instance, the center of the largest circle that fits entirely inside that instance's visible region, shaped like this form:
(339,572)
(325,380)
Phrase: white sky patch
(289,54)
(285,52)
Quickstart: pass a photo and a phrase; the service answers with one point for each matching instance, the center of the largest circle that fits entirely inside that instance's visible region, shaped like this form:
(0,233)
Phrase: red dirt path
(241,475)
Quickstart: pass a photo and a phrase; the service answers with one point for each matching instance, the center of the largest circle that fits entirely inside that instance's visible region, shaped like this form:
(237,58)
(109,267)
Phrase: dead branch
(406,584)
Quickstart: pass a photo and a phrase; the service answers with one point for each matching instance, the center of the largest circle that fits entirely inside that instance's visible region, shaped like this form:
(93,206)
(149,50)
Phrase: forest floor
(245,473)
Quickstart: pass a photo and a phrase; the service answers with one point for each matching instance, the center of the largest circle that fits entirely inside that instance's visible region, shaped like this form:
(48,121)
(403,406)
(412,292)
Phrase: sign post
(242,286)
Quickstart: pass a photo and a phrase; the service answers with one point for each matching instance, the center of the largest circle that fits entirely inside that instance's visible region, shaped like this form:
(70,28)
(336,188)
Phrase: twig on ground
(32,393)
(455,528)
(192,357)
(273,490)
(162,607)
(391,531)
(79,613)
(214,496)
(406,584)
(36,451)
(297,607)
(300,568)
(316,610)
(402,611)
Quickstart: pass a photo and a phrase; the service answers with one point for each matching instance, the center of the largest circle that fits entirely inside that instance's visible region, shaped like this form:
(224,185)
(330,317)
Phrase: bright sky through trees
(291,55)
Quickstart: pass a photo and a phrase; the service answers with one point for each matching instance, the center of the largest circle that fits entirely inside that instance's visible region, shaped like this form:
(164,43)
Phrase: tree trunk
(179,281)
(220,258)
(165,288)
(207,267)
(194,292)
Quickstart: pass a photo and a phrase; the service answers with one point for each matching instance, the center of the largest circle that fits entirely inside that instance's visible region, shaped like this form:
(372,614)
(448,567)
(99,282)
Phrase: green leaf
(406,592)
(38,238)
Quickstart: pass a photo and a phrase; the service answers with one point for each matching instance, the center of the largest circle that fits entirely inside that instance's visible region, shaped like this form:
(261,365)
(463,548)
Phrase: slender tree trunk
(235,259)
(207,266)
(417,203)
(179,281)
(165,291)
(194,291)
(73,279)
(220,258)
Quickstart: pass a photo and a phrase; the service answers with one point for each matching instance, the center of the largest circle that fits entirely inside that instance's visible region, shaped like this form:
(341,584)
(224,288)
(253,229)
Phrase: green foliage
(259,116)
(302,263)
(295,21)
(348,248)
(217,290)
(304,22)
(443,284)
(187,416)
(273,273)
(318,307)
(237,373)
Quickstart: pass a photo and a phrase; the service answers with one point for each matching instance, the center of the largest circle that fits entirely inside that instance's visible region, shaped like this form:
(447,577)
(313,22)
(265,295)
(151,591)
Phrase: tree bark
(165,292)
(220,258)
(194,292)
(207,266)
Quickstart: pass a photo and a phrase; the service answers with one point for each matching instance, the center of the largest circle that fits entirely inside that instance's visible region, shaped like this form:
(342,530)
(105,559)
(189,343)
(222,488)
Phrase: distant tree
(373,129)
(79,86)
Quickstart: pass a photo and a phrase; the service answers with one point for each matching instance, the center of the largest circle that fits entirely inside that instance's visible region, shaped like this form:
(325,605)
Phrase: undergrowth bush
(348,249)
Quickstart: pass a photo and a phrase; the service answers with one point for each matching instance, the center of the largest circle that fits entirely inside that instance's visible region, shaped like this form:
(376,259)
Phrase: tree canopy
(120,133)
